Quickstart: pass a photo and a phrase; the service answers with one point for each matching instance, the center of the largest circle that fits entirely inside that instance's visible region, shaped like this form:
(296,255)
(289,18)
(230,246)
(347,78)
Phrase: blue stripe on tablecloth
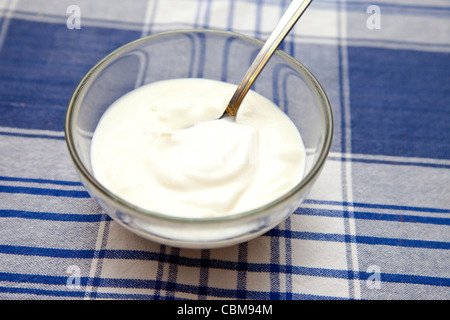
(46,252)
(274,276)
(172,285)
(402,8)
(362,215)
(219,293)
(31,135)
(230,20)
(67,217)
(377,206)
(45,191)
(211,291)
(288,258)
(360,42)
(242,264)
(204,274)
(393,162)
(46,181)
(326,273)
(241,267)
(258,12)
(372,240)
(42,292)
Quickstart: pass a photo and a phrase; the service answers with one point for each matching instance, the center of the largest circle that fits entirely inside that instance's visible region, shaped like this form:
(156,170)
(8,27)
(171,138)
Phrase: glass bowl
(215,55)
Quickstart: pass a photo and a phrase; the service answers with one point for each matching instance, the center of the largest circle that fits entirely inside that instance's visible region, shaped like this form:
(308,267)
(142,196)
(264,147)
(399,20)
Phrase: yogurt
(162,147)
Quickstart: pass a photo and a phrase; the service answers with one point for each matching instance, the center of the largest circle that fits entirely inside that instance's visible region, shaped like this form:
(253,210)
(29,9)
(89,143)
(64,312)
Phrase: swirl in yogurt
(162,147)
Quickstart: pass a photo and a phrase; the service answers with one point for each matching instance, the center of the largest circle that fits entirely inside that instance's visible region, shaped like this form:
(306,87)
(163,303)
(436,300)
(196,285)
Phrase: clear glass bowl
(215,55)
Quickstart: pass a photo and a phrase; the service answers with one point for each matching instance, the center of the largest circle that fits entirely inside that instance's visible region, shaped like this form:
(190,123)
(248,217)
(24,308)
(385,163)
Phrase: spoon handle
(288,20)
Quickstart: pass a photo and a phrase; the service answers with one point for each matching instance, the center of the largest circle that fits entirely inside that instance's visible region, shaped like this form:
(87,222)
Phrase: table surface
(375,225)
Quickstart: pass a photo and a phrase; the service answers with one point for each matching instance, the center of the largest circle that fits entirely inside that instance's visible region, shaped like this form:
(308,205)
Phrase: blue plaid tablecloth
(375,225)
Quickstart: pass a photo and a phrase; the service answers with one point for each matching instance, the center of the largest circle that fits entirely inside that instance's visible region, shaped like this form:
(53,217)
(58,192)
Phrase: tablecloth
(374,226)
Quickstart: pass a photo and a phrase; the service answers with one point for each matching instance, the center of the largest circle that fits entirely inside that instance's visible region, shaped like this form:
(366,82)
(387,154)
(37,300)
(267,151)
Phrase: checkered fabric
(375,225)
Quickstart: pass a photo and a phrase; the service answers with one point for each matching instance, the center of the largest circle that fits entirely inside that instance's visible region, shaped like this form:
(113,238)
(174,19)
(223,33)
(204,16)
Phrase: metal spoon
(288,20)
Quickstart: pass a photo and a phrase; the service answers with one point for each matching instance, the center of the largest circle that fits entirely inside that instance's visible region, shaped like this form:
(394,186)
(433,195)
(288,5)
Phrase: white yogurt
(163,148)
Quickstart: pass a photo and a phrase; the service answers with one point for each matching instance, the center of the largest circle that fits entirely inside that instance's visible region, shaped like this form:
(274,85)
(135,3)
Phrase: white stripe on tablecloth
(347,166)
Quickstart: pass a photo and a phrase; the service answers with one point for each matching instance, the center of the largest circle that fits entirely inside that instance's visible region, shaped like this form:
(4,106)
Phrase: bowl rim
(307,179)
